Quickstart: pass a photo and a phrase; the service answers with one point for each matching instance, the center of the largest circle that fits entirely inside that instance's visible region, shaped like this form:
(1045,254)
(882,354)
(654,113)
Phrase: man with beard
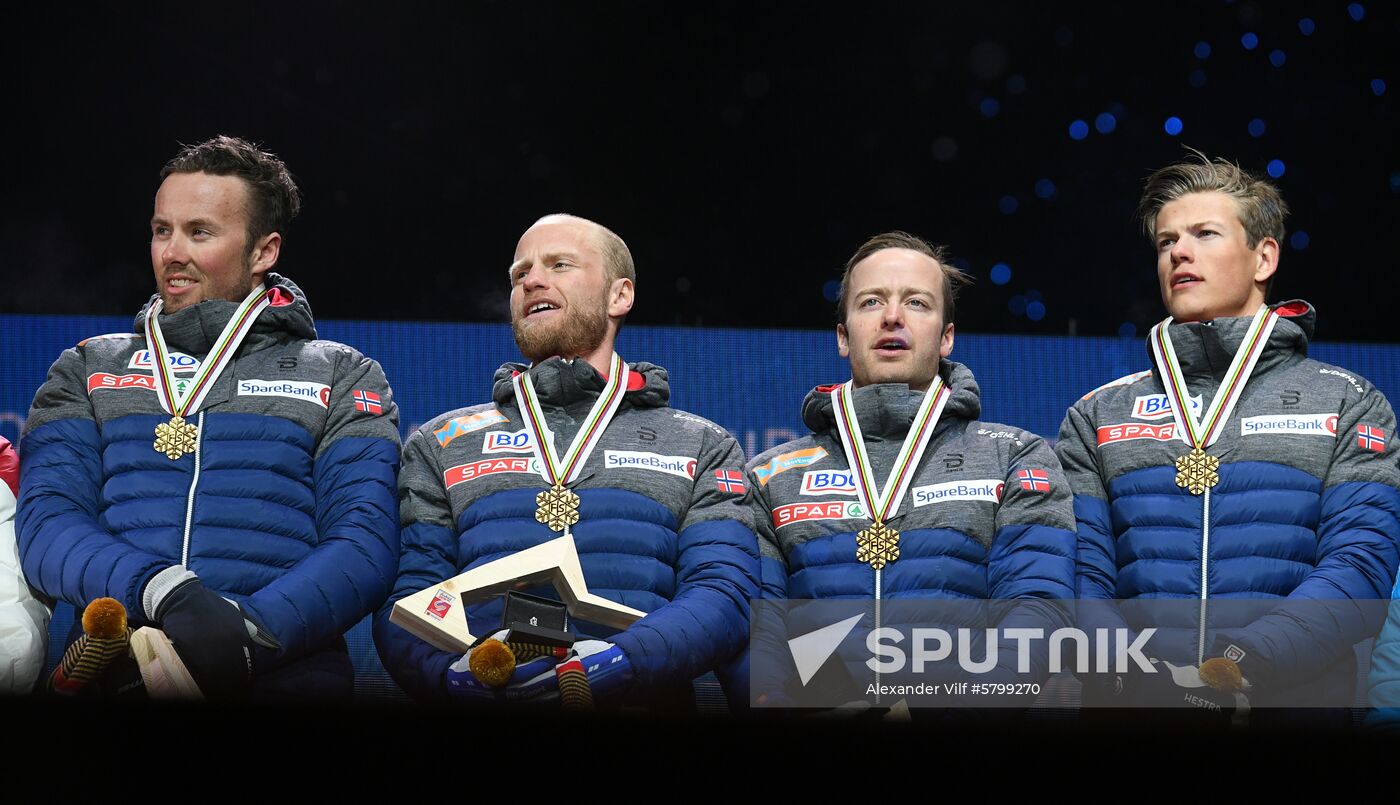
(219,471)
(656,494)
(901,494)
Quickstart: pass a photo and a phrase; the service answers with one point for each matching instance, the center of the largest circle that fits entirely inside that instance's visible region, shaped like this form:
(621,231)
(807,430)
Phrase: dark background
(743,152)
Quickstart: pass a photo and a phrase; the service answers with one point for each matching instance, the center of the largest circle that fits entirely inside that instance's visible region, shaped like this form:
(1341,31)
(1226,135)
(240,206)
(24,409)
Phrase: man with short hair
(900,492)
(1236,468)
(655,495)
(220,472)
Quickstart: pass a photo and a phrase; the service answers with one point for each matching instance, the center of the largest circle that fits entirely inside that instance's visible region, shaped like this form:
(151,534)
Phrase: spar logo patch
(1156,406)
(463,425)
(804,512)
(1129,431)
(679,466)
(828,482)
(1300,424)
(500,441)
(986,489)
(179,361)
(787,461)
(102,380)
(462,473)
(303,390)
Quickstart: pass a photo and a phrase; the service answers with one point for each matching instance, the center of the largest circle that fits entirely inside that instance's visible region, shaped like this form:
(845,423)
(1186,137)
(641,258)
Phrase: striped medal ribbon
(181,397)
(1197,471)
(557,506)
(878,545)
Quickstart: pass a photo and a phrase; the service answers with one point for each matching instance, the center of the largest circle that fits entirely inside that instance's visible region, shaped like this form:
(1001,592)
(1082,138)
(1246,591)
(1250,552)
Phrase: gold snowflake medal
(558,507)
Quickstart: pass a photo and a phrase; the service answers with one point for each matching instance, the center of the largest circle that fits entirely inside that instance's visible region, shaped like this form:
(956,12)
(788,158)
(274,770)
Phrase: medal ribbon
(557,471)
(175,403)
(1203,434)
(879,504)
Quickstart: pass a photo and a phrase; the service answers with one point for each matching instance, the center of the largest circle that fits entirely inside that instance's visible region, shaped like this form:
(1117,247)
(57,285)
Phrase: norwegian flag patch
(730,481)
(1034,480)
(367,402)
(1370,438)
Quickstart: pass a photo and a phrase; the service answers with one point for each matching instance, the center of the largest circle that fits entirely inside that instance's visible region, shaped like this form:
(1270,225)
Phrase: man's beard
(577,332)
(236,290)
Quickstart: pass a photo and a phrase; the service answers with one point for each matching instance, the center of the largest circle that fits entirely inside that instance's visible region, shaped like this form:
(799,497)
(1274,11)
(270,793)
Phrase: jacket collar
(194,329)
(1205,349)
(885,410)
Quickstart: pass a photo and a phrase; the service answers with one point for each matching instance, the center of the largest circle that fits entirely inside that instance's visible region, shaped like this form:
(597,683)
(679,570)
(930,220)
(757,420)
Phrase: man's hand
(213,638)
(532,681)
(1175,686)
(607,668)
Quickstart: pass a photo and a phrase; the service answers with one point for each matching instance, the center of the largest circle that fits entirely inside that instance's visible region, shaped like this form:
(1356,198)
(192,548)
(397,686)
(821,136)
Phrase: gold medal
(558,507)
(176,438)
(1196,471)
(877,545)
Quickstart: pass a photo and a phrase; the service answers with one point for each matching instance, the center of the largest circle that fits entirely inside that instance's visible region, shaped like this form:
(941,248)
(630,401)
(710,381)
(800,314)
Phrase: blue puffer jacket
(288,505)
(662,527)
(1306,514)
(986,516)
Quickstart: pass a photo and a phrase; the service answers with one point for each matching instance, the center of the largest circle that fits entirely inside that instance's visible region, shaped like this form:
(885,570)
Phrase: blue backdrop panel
(750,381)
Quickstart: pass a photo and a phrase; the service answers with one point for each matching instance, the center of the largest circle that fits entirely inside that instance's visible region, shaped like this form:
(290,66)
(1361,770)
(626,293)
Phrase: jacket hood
(1205,349)
(885,410)
(562,382)
(195,329)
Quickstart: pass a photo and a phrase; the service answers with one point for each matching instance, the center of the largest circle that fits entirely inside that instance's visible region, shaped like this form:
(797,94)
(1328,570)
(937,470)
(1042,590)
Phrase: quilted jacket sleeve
(427,555)
(351,569)
(1031,563)
(707,621)
(1358,547)
(65,551)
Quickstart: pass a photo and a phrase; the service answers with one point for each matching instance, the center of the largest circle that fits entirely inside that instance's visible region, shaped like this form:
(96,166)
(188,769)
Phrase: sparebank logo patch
(304,390)
(179,361)
(463,425)
(500,441)
(462,473)
(680,466)
(103,380)
(1128,431)
(828,482)
(787,461)
(987,489)
(804,512)
(1156,406)
(1300,424)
